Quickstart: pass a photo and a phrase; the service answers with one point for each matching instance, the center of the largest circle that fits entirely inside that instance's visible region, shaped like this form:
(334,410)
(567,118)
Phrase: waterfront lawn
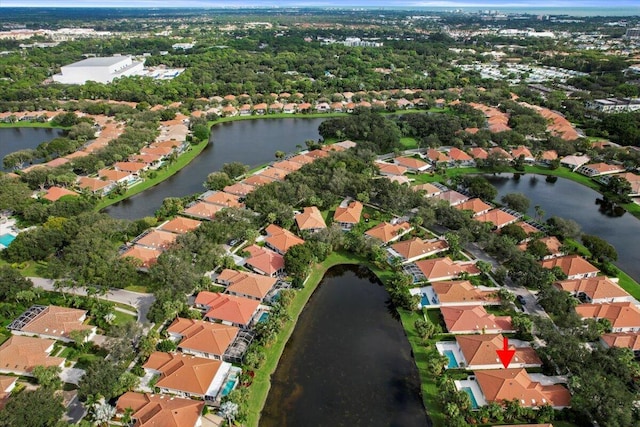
(27,124)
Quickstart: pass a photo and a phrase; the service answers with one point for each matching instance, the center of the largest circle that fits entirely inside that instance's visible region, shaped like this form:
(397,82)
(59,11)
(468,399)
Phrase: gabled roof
(180,225)
(228,308)
(390,169)
(257,180)
(275,173)
(475,205)
(602,168)
(451,196)
(501,152)
(623,339)
(130,166)
(93,184)
(497,217)
(498,385)
(203,210)
(158,239)
(437,156)
(157,410)
(386,232)
(599,287)
(481,350)
(526,227)
(264,260)
(146,256)
(202,336)
(479,153)
(287,165)
(549,155)
(239,189)
(182,372)
(56,321)
(22,354)
(281,239)
(310,219)
(458,155)
(571,265)
(620,314)
(317,154)
(462,291)
(302,159)
(350,214)
(473,318)
(245,283)
(411,163)
(55,193)
(439,268)
(223,199)
(575,161)
(552,243)
(113,175)
(521,150)
(416,247)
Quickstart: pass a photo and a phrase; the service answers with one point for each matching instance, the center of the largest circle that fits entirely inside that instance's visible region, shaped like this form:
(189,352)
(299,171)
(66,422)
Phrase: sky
(491,4)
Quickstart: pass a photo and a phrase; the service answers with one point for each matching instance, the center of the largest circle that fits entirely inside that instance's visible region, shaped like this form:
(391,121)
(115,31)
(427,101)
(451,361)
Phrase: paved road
(140,301)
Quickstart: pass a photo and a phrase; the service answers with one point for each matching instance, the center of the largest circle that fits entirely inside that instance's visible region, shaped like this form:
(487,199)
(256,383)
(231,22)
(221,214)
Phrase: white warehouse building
(101,70)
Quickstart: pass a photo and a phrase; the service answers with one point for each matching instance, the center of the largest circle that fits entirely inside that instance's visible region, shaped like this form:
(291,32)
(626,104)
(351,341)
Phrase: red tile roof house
(429,190)
(222,199)
(157,239)
(310,220)
(280,240)
(474,319)
(347,215)
(7,384)
(476,206)
(414,249)
(624,316)
(479,153)
(413,165)
(274,173)
(497,217)
(264,261)
(460,158)
(387,232)
(597,169)
(202,339)
(553,246)
(630,340)
(574,162)
(245,284)
(388,169)
(479,352)
(452,197)
(463,292)
(239,189)
(188,376)
(95,186)
(445,269)
(499,385)
(133,167)
(156,410)
(523,151)
(574,266)
(228,309)
(202,210)
(257,180)
(19,355)
(52,322)
(56,193)
(180,225)
(117,176)
(144,257)
(597,290)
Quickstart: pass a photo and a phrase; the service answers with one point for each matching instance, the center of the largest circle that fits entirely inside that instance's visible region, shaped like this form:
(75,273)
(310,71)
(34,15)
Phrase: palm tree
(126,418)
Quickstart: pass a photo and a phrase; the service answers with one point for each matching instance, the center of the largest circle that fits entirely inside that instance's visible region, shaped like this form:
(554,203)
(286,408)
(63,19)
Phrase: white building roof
(99,62)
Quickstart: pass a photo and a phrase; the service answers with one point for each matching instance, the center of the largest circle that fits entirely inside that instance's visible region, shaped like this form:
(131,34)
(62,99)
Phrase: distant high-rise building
(633,33)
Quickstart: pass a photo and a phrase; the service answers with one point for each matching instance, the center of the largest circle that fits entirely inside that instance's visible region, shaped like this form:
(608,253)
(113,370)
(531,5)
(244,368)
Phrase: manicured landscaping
(27,124)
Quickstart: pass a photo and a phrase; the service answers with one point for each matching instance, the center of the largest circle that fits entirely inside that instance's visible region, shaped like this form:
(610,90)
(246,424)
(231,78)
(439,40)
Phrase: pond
(348,361)
(14,139)
(252,142)
(570,200)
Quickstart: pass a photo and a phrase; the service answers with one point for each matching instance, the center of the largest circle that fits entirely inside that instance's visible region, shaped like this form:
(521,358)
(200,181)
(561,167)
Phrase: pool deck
(8,226)
(475,389)
(443,346)
(428,291)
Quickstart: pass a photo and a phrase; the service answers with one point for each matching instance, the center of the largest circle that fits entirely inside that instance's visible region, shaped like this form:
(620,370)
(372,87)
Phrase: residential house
(317,154)
(281,240)
(287,165)
(180,225)
(188,376)
(389,232)
(228,309)
(222,199)
(157,239)
(275,173)
(20,354)
(574,266)
(479,153)
(474,319)
(54,194)
(264,261)
(412,164)
(631,178)
(289,108)
(310,220)
(623,316)
(460,158)
(475,205)
(548,156)
(301,159)
(52,322)
(202,339)
(501,153)
(436,156)
(95,186)
(202,210)
(337,107)
(7,384)
(153,160)
(463,292)
(499,385)
(630,340)
(429,189)
(597,169)
(574,162)
(134,168)
(323,107)
(276,107)
(597,290)
(523,151)
(157,410)
(347,215)
(245,110)
(239,189)
(144,257)
(437,269)
(388,169)
(260,108)
(452,197)
(163,152)
(245,284)
(346,144)
(554,246)
(257,180)
(480,352)
(414,249)
(497,217)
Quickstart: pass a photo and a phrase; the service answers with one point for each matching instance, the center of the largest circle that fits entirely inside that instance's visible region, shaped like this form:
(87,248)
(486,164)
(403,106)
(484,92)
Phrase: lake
(252,142)
(570,200)
(348,361)
(14,139)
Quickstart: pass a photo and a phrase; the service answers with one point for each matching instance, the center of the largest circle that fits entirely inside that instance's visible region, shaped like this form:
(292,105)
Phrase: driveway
(75,411)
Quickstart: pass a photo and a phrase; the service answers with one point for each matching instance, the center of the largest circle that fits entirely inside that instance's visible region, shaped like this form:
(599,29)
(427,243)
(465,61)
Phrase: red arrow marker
(505,354)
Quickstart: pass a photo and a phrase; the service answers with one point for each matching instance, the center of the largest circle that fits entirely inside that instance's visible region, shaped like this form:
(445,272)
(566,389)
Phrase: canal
(15,139)
(348,361)
(252,142)
(570,200)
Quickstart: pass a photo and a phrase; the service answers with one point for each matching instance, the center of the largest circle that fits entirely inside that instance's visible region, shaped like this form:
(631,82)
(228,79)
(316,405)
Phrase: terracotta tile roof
(133,167)
(182,372)
(479,153)
(444,268)
(302,159)
(474,318)
(623,339)
(158,151)
(387,232)
(428,188)
(350,214)
(57,162)
(287,165)
(202,336)
(602,168)
(7,384)
(497,217)
(21,354)
(481,350)
(437,156)
(462,291)
(239,189)
(500,151)
(258,180)
(146,256)
(620,314)
(157,410)
(527,228)
(203,210)
(275,173)
(228,308)
(475,205)
(332,147)
(57,321)
(223,199)
(498,385)
(416,247)
(264,260)
(552,243)
(317,154)
(346,144)
(390,169)
(76,155)
(55,193)
(596,288)
(453,197)
(571,265)
(411,163)
(310,219)
(521,151)
(247,284)
(458,155)
(158,239)
(281,239)
(113,175)
(145,158)
(549,155)
(632,179)
(180,225)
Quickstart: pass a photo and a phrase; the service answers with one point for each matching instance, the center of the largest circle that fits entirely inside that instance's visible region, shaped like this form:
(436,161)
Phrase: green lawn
(47,125)
(408,142)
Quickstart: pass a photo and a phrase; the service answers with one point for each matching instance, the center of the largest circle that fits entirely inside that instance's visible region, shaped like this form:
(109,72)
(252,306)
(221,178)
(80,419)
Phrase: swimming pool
(230,385)
(452,359)
(474,403)
(424,300)
(6,239)
(264,316)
